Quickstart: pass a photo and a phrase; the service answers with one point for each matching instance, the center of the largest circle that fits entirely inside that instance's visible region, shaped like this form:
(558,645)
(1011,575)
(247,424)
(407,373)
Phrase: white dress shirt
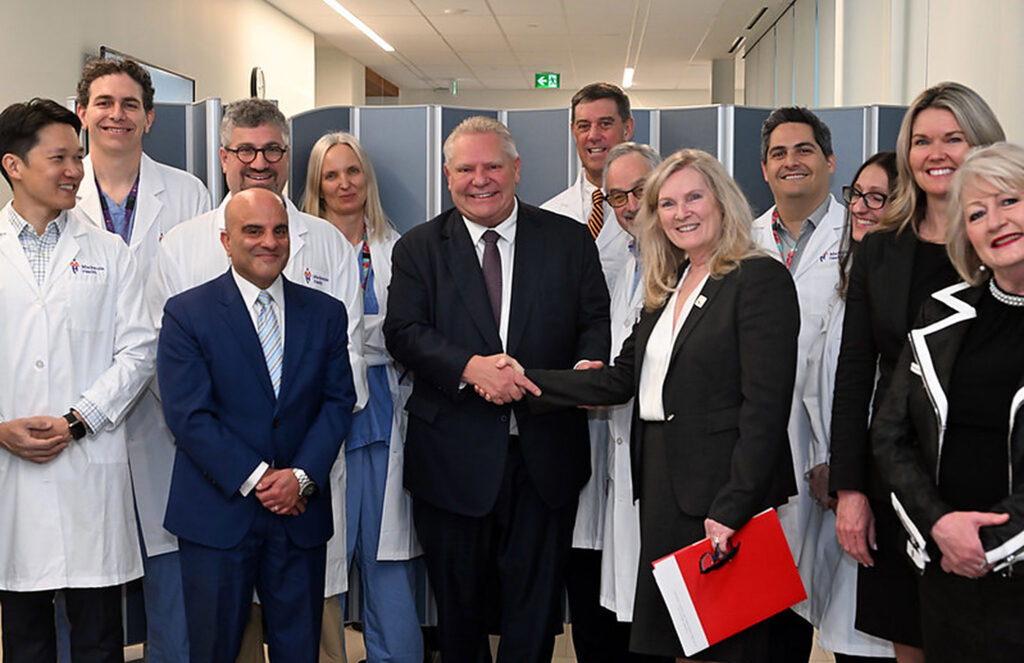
(507,251)
(658,356)
(250,292)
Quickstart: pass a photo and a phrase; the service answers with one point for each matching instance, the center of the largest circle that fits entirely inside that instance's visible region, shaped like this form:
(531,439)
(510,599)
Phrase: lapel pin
(700,301)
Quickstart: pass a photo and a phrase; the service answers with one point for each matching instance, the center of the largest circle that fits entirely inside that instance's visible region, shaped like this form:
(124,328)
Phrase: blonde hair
(976,120)
(1001,166)
(662,258)
(377,222)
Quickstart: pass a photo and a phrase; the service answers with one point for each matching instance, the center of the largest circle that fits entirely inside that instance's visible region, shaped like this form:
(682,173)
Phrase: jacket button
(670,417)
(276,424)
(504,417)
(618,440)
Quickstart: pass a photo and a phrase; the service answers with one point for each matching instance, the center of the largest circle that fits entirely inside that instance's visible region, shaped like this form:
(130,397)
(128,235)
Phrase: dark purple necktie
(492,272)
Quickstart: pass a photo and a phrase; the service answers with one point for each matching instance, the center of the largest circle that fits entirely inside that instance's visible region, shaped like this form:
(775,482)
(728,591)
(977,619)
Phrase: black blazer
(874,330)
(906,429)
(439,316)
(727,394)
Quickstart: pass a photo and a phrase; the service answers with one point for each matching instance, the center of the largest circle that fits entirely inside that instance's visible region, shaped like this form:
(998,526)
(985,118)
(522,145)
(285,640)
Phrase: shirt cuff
(253,479)
(91,415)
(581,361)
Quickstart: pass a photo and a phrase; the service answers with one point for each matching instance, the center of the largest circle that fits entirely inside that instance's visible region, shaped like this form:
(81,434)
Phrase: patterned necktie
(270,338)
(596,221)
(492,272)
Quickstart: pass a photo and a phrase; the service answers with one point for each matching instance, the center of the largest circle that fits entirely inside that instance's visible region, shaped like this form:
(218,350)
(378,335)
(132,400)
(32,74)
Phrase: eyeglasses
(872,199)
(247,153)
(716,559)
(618,198)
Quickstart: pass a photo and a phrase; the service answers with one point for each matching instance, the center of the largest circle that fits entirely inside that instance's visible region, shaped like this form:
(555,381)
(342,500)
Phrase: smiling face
(937,147)
(260,173)
(597,128)
(482,178)
(995,227)
(255,236)
(114,117)
(795,167)
(690,216)
(46,180)
(873,179)
(625,174)
(342,182)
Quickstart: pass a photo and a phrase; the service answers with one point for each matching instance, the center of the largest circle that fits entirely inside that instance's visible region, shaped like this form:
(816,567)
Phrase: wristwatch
(307,487)
(75,425)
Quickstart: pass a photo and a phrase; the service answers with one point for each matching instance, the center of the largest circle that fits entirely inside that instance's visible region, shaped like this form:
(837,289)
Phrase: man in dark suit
(257,390)
(494,486)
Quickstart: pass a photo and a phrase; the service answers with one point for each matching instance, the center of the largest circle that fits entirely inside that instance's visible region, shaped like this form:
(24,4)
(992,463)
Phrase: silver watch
(306,485)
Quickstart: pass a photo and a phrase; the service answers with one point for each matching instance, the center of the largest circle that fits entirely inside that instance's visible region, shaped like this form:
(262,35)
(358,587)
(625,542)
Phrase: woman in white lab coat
(832,592)
(341,187)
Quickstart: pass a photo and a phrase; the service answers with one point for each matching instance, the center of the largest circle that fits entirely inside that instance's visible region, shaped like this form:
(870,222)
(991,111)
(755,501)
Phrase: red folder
(760,581)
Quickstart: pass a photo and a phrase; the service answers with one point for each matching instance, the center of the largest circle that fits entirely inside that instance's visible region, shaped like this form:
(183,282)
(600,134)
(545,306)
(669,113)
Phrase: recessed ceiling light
(454,12)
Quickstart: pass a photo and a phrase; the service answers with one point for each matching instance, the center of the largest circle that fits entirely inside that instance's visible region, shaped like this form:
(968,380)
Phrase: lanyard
(364,256)
(129,209)
(786,257)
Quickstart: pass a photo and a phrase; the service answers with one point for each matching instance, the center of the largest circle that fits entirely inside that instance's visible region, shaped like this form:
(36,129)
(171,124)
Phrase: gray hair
(480,124)
(1000,165)
(249,114)
(629,147)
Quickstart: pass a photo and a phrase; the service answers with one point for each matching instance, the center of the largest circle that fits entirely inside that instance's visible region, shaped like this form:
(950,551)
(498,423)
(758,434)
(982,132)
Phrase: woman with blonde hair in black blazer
(711,365)
(898,265)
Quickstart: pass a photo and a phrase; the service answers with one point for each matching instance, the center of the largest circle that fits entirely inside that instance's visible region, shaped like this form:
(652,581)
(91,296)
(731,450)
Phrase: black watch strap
(75,426)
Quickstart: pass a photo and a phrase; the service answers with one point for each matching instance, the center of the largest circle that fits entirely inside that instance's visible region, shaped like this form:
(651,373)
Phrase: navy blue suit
(220,406)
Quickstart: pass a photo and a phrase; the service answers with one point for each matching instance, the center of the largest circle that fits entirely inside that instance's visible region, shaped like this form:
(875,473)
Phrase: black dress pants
(94,614)
(503,571)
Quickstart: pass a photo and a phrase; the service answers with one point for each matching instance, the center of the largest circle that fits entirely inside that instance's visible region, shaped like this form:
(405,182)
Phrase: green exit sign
(547,80)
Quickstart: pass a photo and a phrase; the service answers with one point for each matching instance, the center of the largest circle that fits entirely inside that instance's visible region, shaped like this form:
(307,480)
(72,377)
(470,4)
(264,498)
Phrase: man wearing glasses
(600,119)
(254,153)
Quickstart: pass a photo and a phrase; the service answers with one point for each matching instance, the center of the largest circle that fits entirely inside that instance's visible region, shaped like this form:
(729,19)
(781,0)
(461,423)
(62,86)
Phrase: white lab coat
(167,196)
(832,593)
(613,249)
(84,332)
(621,557)
(397,537)
(320,258)
(816,276)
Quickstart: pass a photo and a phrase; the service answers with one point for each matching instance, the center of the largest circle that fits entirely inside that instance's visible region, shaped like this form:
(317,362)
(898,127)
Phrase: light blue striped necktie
(270,338)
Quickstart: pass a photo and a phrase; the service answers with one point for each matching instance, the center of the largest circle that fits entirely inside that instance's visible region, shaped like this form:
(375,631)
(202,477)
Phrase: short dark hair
(99,67)
(798,114)
(596,91)
(20,124)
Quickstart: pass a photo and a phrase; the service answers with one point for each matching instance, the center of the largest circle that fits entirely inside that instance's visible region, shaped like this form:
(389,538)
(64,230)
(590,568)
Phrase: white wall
(887,51)
(217,42)
(340,80)
(516,99)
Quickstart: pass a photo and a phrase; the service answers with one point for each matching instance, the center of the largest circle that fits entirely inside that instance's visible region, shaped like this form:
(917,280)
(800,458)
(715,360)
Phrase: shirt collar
(506,229)
(810,222)
(19,224)
(250,292)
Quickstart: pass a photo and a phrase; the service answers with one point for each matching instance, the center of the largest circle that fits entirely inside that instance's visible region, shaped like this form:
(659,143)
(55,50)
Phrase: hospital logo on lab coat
(309,275)
(74,266)
(831,256)
(314,279)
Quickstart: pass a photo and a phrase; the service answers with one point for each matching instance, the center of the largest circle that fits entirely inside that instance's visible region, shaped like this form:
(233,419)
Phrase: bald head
(255,235)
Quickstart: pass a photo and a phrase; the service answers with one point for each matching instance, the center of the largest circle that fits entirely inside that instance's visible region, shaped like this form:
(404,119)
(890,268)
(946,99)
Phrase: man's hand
(37,439)
(956,534)
(278,491)
(855,526)
(587,365)
(498,384)
(818,480)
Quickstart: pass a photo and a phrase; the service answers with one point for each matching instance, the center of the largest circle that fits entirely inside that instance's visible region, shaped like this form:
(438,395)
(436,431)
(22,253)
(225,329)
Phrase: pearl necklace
(1004,297)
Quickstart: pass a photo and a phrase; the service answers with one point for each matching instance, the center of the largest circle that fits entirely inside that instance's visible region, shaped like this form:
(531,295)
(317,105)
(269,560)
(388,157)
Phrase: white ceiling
(500,44)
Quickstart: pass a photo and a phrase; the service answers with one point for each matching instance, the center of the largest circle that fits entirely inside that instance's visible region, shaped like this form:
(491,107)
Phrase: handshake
(498,379)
